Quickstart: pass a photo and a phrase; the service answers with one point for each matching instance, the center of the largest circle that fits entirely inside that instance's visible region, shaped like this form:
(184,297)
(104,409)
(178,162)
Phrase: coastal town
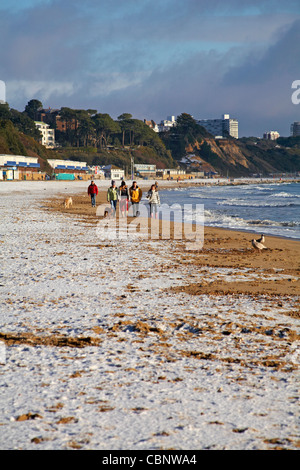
(192,164)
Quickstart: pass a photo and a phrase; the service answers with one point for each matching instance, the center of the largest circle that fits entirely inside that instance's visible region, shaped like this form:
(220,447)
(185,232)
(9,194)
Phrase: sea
(268,208)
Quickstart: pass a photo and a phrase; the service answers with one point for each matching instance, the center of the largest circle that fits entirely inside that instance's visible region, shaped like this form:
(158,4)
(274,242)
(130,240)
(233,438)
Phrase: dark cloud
(154,59)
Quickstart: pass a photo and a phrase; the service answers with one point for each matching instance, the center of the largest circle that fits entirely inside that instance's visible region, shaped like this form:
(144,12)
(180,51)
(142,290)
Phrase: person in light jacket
(154,201)
(112,196)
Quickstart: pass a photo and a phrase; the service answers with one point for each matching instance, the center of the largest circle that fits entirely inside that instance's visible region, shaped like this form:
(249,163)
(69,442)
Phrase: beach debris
(258,245)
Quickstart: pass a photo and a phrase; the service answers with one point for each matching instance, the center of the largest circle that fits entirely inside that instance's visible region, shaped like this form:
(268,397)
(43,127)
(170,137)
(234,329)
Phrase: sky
(155,59)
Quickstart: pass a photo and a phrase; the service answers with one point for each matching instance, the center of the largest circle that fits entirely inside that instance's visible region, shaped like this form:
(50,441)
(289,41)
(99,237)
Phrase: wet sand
(222,248)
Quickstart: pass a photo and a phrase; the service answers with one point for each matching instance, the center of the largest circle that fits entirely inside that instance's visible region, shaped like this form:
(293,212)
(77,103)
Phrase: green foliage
(104,126)
(20,120)
(10,142)
(31,109)
(186,132)
(289,141)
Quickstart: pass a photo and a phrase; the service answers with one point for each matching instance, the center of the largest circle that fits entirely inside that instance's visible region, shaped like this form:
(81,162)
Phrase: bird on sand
(261,239)
(258,245)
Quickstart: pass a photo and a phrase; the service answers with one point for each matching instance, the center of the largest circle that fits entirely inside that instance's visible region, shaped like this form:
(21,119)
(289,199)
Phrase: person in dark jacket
(124,198)
(93,191)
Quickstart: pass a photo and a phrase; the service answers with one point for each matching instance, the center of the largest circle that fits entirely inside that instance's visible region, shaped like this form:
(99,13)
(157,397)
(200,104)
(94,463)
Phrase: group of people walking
(126,195)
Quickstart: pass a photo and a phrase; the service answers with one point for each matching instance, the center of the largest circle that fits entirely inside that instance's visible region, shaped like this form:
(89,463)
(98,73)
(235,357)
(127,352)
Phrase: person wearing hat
(93,191)
(112,196)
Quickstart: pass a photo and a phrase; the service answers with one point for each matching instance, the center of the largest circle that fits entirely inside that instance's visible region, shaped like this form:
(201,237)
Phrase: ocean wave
(283,194)
(273,223)
(223,219)
(250,203)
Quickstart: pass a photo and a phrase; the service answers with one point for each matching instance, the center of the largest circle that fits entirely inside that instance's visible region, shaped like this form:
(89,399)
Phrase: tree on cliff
(32,107)
(104,126)
(187,132)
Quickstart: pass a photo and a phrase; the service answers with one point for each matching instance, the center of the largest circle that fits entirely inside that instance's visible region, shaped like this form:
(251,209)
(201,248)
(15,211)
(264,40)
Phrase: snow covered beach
(124,344)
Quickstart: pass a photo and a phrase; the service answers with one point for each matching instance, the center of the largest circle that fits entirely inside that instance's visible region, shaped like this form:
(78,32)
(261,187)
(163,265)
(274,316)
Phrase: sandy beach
(221,248)
(141,343)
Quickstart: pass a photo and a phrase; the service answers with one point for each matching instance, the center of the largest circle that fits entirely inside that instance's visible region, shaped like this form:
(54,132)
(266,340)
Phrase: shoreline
(167,184)
(101,199)
(81,187)
(222,248)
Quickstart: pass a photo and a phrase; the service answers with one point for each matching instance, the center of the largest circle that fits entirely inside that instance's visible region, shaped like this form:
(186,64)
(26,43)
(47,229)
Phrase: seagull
(258,245)
(261,239)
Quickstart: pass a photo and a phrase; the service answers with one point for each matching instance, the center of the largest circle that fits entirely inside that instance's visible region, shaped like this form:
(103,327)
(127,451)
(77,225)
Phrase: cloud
(154,59)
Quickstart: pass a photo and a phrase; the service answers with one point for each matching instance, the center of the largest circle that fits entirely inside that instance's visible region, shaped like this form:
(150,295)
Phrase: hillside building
(152,124)
(166,124)
(53,118)
(48,137)
(295,129)
(223,127)
(2,92)
(271,135)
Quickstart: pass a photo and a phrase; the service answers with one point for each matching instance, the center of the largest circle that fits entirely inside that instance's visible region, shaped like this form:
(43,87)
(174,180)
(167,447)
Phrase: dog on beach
(68,202)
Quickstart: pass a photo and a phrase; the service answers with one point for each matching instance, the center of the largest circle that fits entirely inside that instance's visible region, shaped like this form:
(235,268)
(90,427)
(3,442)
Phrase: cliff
(242,157)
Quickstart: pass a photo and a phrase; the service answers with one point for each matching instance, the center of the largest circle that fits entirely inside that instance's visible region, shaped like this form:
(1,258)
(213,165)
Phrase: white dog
(68,202)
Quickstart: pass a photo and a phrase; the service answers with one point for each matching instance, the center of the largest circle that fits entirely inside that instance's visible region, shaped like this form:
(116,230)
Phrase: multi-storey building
(53,118)
(2,92)
(271,135)
(295,129)
(166,124)
(223,127)
(48,138)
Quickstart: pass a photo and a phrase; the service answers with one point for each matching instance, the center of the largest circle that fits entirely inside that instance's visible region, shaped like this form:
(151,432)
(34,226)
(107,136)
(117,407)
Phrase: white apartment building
(271,135)
(48,137)
(166,124)
(221,127)
(2,92)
